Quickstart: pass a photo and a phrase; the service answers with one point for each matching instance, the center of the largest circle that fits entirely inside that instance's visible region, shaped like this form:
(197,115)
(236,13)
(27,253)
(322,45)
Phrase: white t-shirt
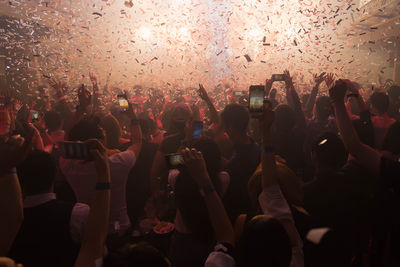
(82,177)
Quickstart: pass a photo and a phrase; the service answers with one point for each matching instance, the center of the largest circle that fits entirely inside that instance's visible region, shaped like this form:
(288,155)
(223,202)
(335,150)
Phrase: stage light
(183,31)
(145,32)
(254,33)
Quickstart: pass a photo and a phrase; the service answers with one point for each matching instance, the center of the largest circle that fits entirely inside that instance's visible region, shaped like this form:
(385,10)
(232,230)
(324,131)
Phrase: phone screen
(256,96)
(174,161)
(197,129)
(238,93)
(123,103)
(34,115)
(75,150)
(278,77)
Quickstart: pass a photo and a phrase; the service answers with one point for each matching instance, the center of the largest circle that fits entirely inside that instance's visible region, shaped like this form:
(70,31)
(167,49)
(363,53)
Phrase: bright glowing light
(254,33)
(145,33)
(183,31)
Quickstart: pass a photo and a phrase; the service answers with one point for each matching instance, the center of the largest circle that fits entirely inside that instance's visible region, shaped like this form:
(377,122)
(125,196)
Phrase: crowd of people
(312,180)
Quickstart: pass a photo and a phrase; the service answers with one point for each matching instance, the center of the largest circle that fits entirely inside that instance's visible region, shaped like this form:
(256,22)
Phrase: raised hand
(329,79)
(338,91)
(288,78)
(93,78)
(203,93)
(267,118)
(13,150)
(196,166)
(58,86)
(84,97)
(318,79)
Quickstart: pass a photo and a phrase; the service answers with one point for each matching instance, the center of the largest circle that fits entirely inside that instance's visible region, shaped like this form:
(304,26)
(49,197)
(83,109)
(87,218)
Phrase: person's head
(323,108)
(87,128)
(180,114)
(284,118)
(264,242)
(328,152)
(112,129)
(141,254)
(53,120)
(364,132)
(36,173)
(379,103)
(235,119)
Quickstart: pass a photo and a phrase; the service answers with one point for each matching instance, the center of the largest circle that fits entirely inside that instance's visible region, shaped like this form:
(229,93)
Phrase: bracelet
(135,122)
(207,190)
(268,149)
(103,186)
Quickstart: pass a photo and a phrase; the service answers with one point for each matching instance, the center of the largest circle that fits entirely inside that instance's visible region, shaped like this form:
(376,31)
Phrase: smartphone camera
(34,116)
(197,129)
(278,77)
(174,161)
(256,97)
(75,150)
(123,102)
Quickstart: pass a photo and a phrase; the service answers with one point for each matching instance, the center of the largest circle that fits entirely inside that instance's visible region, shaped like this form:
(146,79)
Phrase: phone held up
(256,99)
(123,102)
(75,150)
(278,77)
(197,129)
(174,161)
(34,115)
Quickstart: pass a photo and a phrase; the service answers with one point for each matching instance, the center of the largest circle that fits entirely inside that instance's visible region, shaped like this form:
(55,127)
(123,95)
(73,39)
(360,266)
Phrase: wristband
(135,122)
(269,149)
(12,170)
(103,186)
(207,190)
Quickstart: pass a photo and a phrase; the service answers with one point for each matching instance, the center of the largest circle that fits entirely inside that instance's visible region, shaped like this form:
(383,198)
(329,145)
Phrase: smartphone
(174,161)
(34,115)
(238,93)
(197,129)
(75,150)
(278,77)
(256,97)
(123,102)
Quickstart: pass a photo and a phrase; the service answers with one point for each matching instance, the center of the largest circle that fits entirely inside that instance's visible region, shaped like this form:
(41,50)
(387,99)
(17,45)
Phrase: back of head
(85,129)
(140,254)
(113,130)
(323,107)
(380,101)
(284,118)
(211,154)
(37,173)
(180,114)
(364,132)
(392,141)
(53,120)
(236,118)
(265,242)
(329,150)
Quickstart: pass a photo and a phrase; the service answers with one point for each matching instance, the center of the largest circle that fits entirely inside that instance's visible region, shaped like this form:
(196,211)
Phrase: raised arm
(12,151)
(136,132)
(294,100)
(366,155)
(214,116)
(96,229)
(318,79)
(96,91)
(219,219)
(59,88)
(84,101)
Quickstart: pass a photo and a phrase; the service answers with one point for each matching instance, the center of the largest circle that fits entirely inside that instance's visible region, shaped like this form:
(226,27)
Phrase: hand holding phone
(76,150)
(256,99)
(197,129)
(175,161)
(123,102)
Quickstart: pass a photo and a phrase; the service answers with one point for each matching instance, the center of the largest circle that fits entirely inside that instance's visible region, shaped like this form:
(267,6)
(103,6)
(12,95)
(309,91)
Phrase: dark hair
(392,141)
(141,254)
(113,130)
(323,107)
(330,150)
(188,199)
(37,172)
(380,101)
(264,240)
(85,129)
(236,117)
(53,120)
(365,132)
(284,118)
